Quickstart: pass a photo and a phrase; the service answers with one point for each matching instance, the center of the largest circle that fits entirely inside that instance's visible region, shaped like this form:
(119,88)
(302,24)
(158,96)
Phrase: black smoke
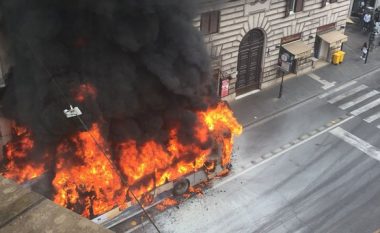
(144,57)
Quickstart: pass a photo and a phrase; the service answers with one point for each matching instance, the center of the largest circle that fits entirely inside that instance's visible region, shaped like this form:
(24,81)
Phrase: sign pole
(370,41)
(281,85)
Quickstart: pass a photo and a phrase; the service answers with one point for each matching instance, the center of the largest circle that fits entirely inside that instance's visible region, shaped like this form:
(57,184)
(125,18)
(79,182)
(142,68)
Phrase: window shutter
(214,21)
(324,3)
(205,23)
(299,6)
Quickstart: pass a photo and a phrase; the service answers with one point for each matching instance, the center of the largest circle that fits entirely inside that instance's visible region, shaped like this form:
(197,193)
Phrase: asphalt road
(314,168)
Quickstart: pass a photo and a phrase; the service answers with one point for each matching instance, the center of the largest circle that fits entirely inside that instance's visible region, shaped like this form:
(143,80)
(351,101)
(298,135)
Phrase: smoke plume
(144,58)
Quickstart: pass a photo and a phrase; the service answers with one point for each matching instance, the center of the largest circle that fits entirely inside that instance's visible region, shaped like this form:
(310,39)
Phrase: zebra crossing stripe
(326,84)
(358,143)
(347,94)
(366,107)
(337,89)
(372,118)
(358,100)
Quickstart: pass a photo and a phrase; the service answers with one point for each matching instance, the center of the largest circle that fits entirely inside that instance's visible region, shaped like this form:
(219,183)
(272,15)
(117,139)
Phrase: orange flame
(20,166)
(223,124)
(87,173)
(87,182)
(168,202)
(85,91)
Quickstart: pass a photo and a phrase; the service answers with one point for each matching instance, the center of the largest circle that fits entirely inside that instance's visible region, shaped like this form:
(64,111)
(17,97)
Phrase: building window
(291,38)
(325,2)
(210,22)
(326,28)
(294,6)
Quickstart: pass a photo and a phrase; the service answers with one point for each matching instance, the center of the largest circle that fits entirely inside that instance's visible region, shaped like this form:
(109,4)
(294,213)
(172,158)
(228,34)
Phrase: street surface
(312,168)
(308,162)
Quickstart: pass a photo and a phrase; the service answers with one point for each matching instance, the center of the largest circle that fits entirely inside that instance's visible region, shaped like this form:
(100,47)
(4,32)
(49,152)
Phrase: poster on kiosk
(285,62)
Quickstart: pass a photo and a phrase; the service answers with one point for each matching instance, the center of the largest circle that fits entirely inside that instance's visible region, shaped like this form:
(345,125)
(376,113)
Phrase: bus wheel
(181,187)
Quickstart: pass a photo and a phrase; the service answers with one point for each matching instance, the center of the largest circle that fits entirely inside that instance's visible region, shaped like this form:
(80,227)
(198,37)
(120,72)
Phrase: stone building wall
(238,17)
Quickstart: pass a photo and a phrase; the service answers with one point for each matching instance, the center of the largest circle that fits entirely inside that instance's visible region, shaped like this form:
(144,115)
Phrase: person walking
(364,51)
(367,21)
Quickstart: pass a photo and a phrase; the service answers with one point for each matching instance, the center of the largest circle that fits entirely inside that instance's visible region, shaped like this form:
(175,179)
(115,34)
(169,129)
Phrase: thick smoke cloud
(144,58)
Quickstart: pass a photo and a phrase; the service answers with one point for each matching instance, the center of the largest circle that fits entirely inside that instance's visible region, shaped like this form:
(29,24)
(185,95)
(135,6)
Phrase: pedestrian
(376,17)
(367,21)
(364,51)
(362,4)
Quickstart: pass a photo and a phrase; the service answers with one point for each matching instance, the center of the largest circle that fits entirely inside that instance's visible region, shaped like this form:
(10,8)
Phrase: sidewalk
(264,104)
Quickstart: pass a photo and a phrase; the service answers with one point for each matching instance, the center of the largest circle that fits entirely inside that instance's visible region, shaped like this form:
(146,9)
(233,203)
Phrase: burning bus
(107,189)
(110,103)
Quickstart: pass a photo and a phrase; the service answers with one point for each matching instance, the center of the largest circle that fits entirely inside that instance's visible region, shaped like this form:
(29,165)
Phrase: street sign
(285,66)
(224,88)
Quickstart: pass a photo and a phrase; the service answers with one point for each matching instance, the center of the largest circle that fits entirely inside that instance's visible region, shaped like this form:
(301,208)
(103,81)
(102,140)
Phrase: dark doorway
(249,62)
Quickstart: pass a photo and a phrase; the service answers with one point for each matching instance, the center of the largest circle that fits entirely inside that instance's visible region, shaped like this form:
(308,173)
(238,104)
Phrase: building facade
(252,42)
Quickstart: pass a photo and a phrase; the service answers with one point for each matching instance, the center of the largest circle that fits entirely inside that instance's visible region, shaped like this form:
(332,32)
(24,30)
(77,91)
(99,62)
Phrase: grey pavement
(257,107)
(326,182)
(335,189)
(317,180)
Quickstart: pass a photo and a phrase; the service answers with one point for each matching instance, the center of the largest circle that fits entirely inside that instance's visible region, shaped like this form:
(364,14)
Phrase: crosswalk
(357,142)
(358,99)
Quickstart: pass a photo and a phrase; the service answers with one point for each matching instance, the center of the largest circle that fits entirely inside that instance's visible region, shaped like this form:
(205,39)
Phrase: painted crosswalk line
(337,89)
(356,142)
(358,100)
(366,107)
(347,94)
(326,84)
(372,118)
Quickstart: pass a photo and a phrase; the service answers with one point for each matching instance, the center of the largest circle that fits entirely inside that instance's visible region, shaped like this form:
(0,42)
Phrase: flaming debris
(19,165)
(166,203)
(138,71)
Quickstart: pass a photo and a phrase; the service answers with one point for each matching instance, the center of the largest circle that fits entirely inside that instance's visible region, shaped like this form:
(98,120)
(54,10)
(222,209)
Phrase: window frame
(212,19)
(294,6)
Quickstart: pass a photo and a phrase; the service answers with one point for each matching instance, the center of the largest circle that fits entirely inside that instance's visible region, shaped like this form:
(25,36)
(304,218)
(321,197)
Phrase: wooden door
(249,62)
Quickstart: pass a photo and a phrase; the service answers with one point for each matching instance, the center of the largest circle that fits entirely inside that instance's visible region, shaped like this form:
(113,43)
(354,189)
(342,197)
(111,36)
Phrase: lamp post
(370,41)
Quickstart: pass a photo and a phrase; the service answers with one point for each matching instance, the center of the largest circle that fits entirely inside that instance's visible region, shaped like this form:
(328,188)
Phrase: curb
(300,139)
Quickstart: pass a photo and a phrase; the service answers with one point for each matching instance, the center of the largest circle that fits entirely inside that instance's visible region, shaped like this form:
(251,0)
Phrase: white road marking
(232,177)
(372,118)
(347,94)
(366,107)
(358,143)
(337,89)
(326,84)
(378,126)
(358,100)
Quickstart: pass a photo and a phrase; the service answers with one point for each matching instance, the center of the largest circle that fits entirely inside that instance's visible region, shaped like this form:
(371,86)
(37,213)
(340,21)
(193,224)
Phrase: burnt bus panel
(109,221)
(163,188)
(116,216)
(197,177)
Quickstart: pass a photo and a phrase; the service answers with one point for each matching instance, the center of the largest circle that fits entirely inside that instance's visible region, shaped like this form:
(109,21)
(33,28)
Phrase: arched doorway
(249,61)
